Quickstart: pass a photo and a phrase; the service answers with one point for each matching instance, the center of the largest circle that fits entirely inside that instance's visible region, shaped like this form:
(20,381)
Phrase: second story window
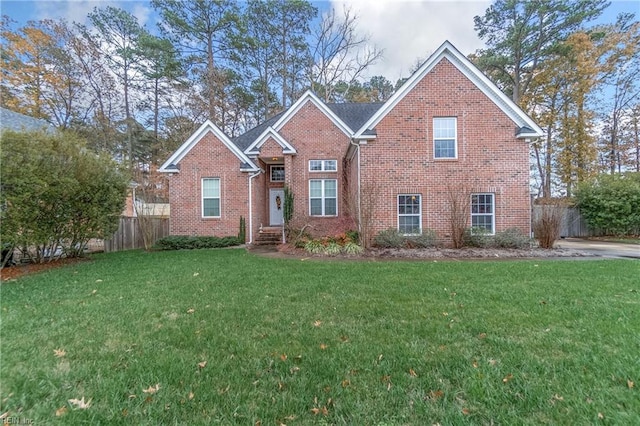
(445,137)
(323,165)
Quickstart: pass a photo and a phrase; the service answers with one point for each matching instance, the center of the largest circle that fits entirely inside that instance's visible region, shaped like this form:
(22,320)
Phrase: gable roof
(269,133)
(10,120)
(171,165)
(453,55)
(310,97)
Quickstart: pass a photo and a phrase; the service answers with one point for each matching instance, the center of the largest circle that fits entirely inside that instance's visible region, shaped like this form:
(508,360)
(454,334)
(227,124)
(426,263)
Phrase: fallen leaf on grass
(191,395)
(195,274)
(152,389)
(507,378)
(492,361)
(283,357)
(346,383)
(600,416)
(59,352)
(630,384)
(190,310)
(61,411)
(202,364)
(317,323)
(81,403)
(434,395)
(94,292)
(475,364)
(482,336)
(412,373)
(465,411)
(323,346)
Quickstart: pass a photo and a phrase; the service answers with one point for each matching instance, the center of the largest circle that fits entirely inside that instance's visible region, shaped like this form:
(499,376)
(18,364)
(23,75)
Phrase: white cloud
(411,30)
(78,10)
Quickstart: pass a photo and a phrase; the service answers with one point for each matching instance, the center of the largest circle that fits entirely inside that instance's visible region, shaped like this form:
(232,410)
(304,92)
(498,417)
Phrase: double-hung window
(211,197)
(323,197)
(445,143)
(483,212)
(409,214)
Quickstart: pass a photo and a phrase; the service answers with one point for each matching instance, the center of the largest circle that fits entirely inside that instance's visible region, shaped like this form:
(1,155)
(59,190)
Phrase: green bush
(511,238)
(185,242)
(477,237)
(426,239)
(353,236)
(389,238)
(314,246)
(611,203)
(352,248)
(332,249)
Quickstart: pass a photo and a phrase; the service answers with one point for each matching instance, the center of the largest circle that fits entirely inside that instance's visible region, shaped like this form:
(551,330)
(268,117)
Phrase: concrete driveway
(601,248)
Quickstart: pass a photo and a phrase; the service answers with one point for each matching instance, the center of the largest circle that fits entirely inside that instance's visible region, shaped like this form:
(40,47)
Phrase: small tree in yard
(459,197)
(56,194)
(548,220)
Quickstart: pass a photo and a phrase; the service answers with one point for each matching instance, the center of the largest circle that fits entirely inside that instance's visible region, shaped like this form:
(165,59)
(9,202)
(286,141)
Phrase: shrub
(333,249)
(185,242)
(352,248)
(353,236)
(389,238)
(314,246)
(548,220)
(611,203)
(426,239)
(477,237)
(511,238)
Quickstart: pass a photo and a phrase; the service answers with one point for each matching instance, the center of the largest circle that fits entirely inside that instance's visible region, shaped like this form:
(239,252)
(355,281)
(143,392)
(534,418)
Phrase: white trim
(270,132)
(448,51)
(455,137)
(323,198)
(193,140)
(308,96)
(412,215)
(493,210)
(323,169)
(219,198)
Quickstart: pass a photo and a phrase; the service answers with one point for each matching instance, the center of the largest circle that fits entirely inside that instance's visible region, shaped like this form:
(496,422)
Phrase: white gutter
(357,145)
(256,174)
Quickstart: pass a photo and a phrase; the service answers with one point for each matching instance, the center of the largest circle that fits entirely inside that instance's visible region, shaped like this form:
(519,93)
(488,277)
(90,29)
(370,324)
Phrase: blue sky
(407,30)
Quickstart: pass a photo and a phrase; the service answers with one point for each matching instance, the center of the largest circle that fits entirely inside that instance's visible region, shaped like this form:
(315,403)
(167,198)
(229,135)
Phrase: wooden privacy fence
(128,236)
(573,224)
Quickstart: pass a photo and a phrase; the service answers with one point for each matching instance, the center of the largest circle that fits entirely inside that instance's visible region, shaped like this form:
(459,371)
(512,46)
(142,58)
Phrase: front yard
(225,336)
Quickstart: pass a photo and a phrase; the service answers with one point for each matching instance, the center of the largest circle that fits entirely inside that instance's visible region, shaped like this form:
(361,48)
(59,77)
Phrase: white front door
(276,207)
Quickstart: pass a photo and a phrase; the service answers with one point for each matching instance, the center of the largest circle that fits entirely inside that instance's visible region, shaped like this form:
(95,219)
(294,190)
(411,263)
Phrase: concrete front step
(269,236)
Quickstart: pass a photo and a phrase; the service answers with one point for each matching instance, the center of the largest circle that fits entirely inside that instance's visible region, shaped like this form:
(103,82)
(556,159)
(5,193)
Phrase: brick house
(448,129)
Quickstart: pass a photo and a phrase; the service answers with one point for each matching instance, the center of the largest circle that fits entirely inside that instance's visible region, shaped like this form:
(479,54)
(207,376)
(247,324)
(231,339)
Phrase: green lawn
(322,342)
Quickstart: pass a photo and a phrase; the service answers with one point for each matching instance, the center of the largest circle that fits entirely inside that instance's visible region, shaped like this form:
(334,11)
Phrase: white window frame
(324,166)
(279,166)
(478,214)
(323,197)
(219,197)
(437,138)
(419,214)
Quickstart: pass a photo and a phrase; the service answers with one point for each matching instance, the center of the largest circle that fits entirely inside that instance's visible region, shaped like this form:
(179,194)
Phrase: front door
(276,207)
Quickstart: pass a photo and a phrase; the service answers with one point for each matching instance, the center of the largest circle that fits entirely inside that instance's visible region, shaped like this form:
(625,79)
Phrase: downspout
(251,177)
(357,145)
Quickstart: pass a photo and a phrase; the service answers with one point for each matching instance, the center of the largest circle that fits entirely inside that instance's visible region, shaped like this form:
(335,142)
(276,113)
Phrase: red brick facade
(398,160)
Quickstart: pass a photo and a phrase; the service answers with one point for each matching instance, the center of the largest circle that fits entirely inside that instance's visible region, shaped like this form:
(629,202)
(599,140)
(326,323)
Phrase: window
(323,197)
(210,197)
(482,212)
(445,137)
(277,173)
(409,214)
(323,165)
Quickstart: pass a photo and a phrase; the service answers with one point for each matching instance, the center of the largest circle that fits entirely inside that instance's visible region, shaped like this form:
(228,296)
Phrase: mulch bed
(12,272)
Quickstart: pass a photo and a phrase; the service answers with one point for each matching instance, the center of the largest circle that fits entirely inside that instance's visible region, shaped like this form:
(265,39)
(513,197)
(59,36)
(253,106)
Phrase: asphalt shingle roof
(353,114)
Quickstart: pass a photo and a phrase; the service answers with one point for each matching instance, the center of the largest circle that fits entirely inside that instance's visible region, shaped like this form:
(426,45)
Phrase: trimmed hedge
(185,242)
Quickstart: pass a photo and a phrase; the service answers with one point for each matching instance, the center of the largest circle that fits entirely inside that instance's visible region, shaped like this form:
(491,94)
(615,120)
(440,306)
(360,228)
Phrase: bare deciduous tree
(339,53)
(459,198)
